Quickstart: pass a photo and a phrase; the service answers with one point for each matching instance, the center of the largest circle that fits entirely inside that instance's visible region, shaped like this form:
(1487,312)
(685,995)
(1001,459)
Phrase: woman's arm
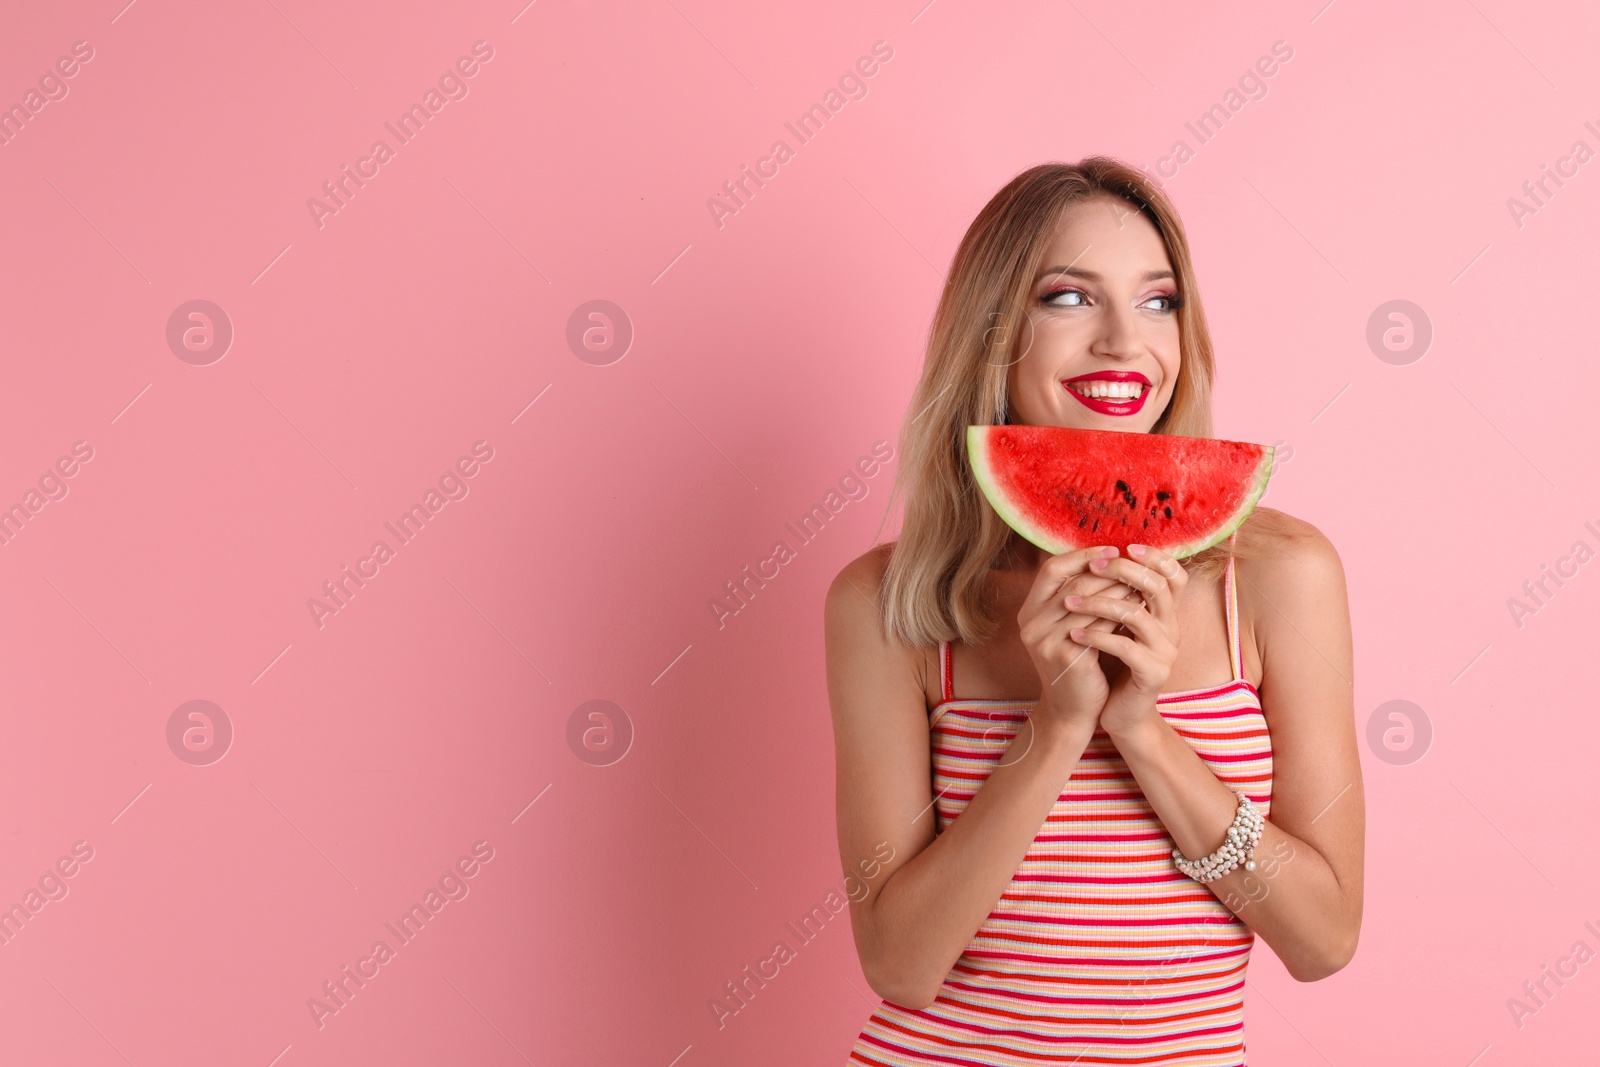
(1305,898)
(922,908)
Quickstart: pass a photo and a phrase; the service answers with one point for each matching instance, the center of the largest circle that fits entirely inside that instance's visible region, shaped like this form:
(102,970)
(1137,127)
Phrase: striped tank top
(1100,951)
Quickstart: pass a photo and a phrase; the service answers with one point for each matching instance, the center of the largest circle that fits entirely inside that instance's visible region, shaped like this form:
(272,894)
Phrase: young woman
(1071,760)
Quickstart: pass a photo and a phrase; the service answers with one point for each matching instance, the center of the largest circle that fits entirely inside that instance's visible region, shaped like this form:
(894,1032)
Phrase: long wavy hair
(934,584)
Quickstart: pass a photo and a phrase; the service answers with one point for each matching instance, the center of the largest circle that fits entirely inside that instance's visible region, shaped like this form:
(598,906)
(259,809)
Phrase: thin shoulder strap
(944,671)
(1235,656)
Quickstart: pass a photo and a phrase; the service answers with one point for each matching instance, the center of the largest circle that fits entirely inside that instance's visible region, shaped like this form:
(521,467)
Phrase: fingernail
(1136,550)
(1109,551)
(1097,565)
(1074,601)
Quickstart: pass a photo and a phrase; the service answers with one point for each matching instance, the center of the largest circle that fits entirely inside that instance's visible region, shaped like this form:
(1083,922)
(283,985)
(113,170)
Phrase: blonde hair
(933,586)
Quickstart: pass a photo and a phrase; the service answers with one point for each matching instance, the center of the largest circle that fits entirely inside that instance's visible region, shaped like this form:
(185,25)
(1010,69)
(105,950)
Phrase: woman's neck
(1021,554)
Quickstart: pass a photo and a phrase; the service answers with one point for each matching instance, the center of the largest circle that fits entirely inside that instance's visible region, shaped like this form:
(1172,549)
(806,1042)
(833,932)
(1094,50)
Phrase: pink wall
(374,347)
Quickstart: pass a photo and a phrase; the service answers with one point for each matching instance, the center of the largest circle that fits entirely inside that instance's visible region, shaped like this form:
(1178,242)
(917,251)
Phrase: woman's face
(1099,349)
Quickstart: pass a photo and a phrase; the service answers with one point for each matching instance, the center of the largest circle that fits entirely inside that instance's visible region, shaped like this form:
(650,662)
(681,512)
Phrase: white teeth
(1104,390)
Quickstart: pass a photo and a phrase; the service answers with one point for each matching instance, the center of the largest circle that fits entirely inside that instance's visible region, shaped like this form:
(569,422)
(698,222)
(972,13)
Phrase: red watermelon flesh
(1064,488)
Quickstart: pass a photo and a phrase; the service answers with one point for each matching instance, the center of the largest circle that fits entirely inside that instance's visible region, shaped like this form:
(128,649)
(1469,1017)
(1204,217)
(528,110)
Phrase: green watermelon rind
(977,457)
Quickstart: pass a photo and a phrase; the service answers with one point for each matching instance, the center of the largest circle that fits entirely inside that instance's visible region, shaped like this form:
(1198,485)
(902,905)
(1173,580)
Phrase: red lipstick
(1110,405)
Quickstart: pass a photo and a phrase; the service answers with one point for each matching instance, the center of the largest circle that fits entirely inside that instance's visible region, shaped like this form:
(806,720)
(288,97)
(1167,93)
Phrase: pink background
(769,355)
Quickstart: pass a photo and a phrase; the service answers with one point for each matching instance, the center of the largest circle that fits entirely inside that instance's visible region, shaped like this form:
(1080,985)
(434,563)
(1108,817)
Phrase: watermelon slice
(1064,488)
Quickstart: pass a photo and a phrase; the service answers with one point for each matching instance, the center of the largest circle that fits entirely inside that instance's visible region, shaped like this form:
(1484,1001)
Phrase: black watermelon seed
(1096,525)
(1083,522)
(1147,522)
(1163,495)
(1122,487)
(1132,500)
(1169,513)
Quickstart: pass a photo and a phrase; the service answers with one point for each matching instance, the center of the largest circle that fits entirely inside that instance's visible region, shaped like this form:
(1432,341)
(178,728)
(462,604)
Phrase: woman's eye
(1078,298)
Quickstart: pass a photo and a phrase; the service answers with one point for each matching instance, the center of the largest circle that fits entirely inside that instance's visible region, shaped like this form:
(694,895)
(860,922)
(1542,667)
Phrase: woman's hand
(1072,682)
(1149,648)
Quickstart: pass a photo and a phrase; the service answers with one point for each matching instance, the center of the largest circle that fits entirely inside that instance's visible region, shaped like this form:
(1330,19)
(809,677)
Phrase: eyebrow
(1093,276)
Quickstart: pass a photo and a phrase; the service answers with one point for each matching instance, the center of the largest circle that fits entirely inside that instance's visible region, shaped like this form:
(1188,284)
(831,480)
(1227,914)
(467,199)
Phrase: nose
(1118,336)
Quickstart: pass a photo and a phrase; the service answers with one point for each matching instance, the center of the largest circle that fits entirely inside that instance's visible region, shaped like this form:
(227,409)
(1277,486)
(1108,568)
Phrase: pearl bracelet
(1243,836)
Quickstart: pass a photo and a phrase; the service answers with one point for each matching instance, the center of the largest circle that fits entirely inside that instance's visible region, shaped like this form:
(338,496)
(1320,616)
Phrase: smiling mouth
(1121,396)
(1104,390)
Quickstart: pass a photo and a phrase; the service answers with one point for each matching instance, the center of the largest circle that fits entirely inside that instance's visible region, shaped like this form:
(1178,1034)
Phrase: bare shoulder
(858,643)
(1280,553)
(861,580)
(1292,591)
